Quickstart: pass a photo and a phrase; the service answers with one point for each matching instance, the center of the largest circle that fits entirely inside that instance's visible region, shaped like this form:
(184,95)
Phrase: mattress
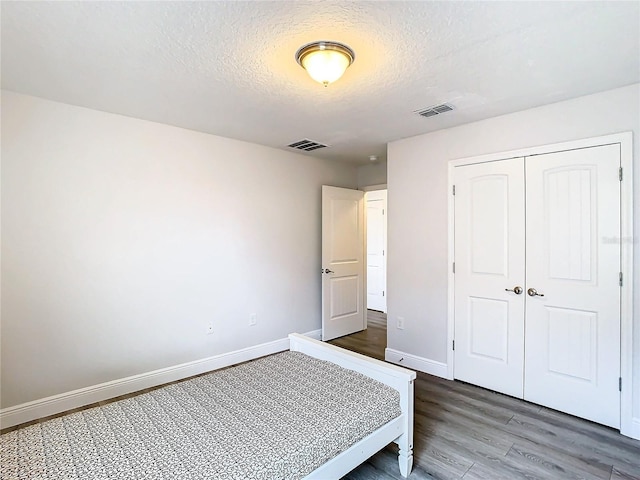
(278,417)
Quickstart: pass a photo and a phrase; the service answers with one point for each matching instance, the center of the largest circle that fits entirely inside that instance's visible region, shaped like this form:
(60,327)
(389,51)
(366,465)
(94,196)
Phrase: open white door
(343,263)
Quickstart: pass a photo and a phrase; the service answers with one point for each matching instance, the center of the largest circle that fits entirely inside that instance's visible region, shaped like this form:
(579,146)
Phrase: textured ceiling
(228,68)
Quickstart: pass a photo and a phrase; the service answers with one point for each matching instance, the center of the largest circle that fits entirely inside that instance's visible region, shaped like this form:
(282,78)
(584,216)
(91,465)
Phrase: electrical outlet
(209,328)
(401,323)
(253,319)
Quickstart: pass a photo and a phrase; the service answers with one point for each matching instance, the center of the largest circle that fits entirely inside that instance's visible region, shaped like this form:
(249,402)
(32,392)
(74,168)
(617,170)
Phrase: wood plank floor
(463,431)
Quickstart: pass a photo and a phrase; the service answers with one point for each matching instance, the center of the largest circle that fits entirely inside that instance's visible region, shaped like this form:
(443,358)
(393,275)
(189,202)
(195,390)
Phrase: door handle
(532,292)
(517,290)
(326,270)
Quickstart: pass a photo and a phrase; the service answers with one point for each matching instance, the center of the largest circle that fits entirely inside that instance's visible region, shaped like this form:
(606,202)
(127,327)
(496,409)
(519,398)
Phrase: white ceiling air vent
(435,110)
(306,145)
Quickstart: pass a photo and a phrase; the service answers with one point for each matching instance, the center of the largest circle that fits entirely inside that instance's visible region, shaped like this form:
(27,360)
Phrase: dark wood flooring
(463,431)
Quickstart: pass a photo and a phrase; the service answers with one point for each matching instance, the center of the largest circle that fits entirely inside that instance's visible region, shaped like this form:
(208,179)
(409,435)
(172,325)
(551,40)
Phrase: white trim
(621,138)
(55,404)
(629,426)
(421,364)
(451,205)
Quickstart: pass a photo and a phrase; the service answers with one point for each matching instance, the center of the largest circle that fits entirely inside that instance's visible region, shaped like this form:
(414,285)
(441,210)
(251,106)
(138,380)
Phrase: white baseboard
(55,404)
(634,432)
(316,335)
(425,365)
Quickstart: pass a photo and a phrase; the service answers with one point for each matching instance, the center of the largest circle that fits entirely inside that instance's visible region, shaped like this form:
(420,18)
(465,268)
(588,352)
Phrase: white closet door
(573,259)
(489,259)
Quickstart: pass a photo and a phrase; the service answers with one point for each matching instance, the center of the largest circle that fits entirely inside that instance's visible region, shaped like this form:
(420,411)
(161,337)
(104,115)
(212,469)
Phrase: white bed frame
(399,430)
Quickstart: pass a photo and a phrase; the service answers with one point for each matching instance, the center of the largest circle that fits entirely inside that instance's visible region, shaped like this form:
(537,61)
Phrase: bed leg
(405,460)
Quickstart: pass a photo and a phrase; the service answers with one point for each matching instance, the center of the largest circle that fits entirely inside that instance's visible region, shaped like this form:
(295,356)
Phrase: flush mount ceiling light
(325,62)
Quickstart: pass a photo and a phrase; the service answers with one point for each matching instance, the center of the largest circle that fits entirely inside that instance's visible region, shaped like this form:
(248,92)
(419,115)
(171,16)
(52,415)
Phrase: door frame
(628,426)
(384,240)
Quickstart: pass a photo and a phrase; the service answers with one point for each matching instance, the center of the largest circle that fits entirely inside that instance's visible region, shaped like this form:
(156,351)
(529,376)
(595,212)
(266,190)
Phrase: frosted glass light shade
(325,62)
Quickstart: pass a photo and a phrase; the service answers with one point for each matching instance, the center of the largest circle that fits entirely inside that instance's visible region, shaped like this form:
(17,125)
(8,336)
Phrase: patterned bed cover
(278,417)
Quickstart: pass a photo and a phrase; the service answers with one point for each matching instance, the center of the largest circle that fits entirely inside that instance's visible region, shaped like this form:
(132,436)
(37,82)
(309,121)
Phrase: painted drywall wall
(372,174)
(418,196)
(123,239)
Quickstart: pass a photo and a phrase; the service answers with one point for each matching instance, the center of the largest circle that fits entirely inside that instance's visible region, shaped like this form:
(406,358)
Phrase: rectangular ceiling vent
(435,110)
(307,145)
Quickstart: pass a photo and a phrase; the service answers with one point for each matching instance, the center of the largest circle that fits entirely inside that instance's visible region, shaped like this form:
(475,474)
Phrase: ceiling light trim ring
(324,45)
(325,61)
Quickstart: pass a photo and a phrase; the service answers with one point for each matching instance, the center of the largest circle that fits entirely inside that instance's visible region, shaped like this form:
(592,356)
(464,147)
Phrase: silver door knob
(326,270)
(532,292)
(516,290)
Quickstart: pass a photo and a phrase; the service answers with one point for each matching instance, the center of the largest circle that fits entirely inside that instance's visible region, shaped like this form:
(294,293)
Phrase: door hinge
(620,278)
(454,189)
(619,384)
(454,345)
(620,173)
(383,211)
(454,267)
(383,293)
(383,253)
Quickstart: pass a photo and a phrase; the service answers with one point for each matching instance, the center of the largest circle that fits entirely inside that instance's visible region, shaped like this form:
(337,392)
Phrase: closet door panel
(572,345)
(489,259)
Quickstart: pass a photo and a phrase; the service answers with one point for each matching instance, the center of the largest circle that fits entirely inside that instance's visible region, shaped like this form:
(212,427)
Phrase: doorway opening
(376,227)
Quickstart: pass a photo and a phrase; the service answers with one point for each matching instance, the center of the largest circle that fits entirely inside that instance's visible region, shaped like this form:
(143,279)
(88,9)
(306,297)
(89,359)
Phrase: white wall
(372,174)
(418,196)
(122,239)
